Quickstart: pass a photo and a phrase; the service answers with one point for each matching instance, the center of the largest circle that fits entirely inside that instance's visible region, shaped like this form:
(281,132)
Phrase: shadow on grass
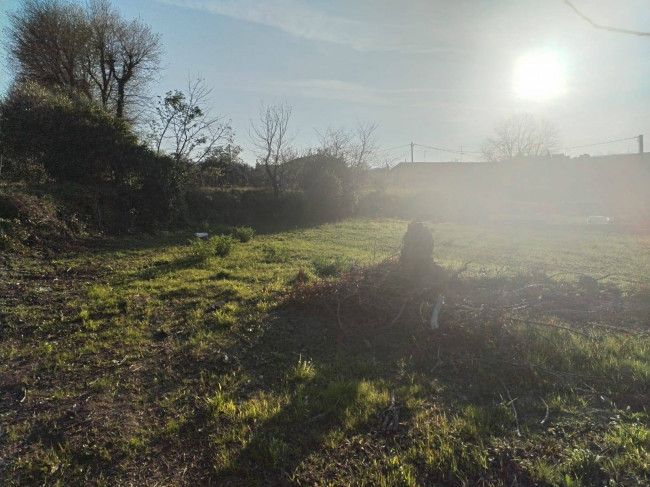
(303,398)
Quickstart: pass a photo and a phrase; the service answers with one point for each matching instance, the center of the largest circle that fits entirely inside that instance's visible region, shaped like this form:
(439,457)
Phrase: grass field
(143,362)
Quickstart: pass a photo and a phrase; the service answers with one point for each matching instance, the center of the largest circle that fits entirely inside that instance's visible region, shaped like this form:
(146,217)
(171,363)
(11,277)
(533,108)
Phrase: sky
(438,73)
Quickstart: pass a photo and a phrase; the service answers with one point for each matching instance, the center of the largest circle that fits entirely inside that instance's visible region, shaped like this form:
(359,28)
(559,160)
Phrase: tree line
(79,112)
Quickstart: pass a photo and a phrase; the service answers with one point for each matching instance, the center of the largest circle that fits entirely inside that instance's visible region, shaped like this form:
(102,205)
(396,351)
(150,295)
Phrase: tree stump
(417,250)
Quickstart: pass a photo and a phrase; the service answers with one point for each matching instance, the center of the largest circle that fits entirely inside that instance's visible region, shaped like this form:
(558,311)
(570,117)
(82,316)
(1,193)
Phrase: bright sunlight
(539,76)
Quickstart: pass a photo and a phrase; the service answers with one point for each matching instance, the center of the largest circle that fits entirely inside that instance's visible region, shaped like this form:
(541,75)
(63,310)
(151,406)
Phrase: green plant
(244,234)
(204,248)
(273,254)
(325,267)
(221,245)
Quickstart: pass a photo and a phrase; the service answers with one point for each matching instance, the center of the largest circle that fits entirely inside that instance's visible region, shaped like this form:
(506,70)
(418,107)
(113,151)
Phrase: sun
(539,76)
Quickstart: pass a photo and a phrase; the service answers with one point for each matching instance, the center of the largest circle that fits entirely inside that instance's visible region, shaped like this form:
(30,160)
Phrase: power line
(597,143)
(393,148)
(453,151)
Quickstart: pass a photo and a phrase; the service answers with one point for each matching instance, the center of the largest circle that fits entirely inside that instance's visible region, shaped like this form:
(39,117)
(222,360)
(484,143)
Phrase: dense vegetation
(154,361)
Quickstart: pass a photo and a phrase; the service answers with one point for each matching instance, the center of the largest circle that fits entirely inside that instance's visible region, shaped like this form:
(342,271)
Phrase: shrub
(273,254)
(204,248)
(244,234)
(330,267)
(72,138)
(221,244)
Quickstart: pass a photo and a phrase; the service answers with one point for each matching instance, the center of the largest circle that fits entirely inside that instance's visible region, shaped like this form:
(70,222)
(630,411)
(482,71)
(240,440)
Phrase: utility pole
(412,144)
(640,139)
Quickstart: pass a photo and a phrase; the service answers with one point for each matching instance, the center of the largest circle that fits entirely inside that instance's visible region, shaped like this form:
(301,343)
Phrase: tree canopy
(87,49)
(521,135)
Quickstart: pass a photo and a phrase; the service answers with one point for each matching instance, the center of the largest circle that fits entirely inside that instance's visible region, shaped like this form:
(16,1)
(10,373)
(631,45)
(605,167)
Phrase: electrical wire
(447,150)
(597,143)
(393,148)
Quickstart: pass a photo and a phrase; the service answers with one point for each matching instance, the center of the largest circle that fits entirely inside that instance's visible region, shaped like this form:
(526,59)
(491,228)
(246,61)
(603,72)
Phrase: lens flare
(539,76)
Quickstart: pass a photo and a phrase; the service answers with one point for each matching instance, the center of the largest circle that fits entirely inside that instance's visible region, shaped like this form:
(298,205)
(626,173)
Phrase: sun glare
(539,76)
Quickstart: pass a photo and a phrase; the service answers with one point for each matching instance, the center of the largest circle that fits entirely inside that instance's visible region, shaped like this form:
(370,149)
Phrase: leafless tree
(356,147)
(136,59)
(271,139)
(184,124)
(364,149)
(521,135)
(103,21)
(335,142)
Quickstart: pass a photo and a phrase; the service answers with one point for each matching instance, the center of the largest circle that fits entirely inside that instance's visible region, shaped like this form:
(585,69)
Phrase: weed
(274,254)
(304,369)
(243,386)
(243,234)
(219,246)
(327,267)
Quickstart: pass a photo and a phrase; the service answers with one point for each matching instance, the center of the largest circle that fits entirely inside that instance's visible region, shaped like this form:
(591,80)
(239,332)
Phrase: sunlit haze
(539,76)
(437,73)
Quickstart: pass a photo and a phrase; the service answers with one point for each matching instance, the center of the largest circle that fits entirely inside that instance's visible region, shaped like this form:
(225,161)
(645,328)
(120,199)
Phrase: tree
(103,22)
(271,139)
(356,147)
(135,61)
(521,135)
(46,43)
(223,167)
(183,122)
(90,50)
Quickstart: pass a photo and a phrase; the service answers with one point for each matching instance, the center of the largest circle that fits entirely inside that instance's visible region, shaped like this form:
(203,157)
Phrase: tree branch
(605,27)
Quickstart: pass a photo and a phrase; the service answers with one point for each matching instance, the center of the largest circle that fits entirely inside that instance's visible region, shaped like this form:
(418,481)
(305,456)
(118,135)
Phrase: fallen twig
(543,323)
(512,405)
(399,314)
(547,413)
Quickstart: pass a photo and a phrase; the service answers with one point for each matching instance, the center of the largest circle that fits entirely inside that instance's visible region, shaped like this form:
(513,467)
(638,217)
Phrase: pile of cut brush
(405,289)
(411,290)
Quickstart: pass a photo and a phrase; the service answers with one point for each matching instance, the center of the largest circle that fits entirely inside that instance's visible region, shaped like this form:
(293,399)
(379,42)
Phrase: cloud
(334,89)
(301,20)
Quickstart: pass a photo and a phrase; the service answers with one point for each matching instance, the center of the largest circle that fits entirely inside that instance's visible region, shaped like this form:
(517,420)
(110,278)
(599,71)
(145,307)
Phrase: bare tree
(103,21)
(335,142)
(364,149)
(137,58)
(521,135)
(356,147)
(271,138)
(185,124)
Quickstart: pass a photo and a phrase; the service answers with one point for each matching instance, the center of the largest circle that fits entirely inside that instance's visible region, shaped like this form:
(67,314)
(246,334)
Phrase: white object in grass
(598,220)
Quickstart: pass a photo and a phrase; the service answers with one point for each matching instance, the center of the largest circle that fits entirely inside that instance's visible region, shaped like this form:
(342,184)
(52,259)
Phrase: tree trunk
(119,113)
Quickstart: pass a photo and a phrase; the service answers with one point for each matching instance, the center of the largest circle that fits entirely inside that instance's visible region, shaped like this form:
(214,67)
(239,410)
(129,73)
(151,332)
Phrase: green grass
(134,362)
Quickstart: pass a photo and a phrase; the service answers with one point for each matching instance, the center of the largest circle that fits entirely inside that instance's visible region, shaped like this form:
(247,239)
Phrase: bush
(244,234)
(202,249)
(221,244)
(273,254)
(72,138)
(330,267)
